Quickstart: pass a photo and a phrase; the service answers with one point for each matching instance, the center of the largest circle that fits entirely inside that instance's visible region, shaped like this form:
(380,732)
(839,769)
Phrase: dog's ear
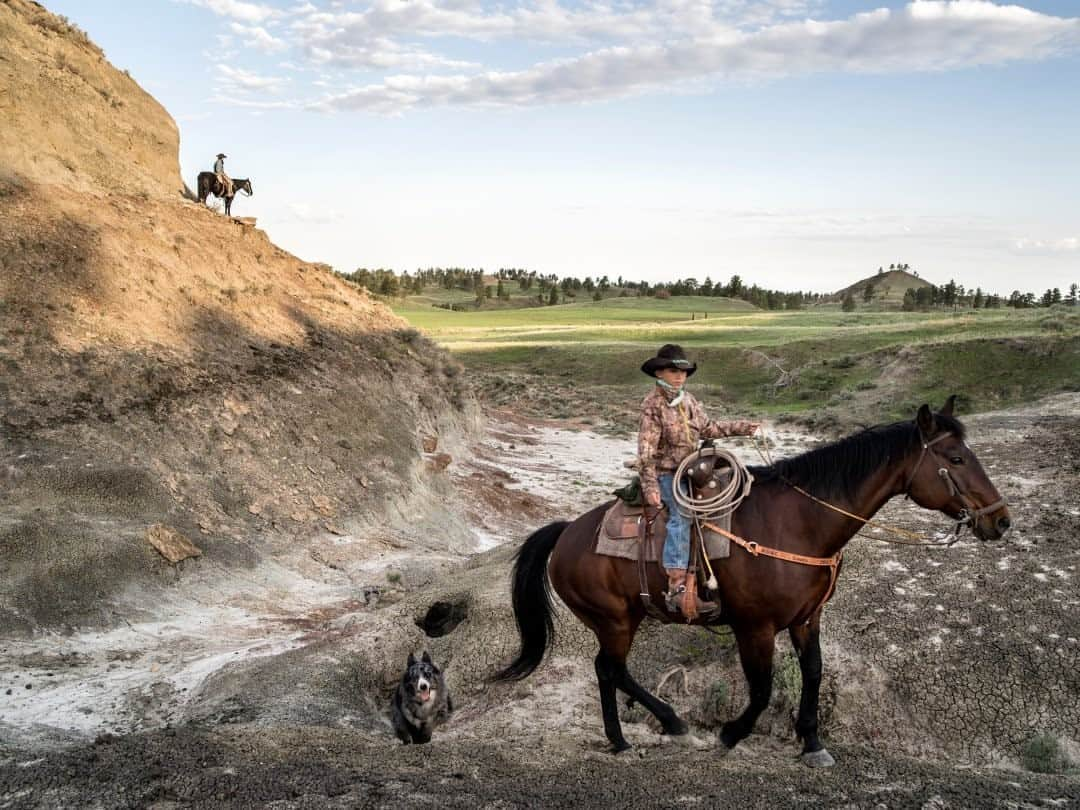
(427,658)
(411,661)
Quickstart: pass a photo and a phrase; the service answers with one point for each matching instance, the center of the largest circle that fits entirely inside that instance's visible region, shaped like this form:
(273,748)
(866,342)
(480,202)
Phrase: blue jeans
(677,545)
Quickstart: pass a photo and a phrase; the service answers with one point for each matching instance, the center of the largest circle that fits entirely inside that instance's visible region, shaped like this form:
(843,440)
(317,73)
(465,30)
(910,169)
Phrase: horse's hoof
(619,747)
(726,741)
(818,759)
(676,728)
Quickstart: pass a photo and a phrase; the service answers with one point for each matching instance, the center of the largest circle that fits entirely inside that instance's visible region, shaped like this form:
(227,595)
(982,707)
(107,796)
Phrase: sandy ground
(121,718)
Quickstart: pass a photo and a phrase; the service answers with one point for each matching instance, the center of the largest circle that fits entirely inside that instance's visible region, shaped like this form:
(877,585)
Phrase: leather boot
(676,587)
(678,601)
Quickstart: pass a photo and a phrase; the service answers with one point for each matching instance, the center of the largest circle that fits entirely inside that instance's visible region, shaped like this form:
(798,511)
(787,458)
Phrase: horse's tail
(532,602)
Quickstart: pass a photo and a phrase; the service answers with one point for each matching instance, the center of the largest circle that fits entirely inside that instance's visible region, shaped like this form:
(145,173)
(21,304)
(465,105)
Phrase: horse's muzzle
(993,526)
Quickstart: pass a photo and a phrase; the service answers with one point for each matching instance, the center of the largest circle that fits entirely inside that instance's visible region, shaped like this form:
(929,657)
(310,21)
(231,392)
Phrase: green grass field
(869,366)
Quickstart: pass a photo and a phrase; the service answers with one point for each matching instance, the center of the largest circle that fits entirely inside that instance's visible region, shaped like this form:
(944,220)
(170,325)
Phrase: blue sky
(798,143)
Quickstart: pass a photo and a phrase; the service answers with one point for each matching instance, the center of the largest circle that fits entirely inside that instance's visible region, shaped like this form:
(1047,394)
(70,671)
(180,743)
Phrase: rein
(967,516)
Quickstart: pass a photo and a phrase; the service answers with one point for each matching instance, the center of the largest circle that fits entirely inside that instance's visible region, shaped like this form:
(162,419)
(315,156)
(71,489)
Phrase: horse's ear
(947,408)
(427,658)
(926,420)
(412,660)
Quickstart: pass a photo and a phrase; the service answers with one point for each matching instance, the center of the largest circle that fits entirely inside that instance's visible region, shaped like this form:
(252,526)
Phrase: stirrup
(674,602)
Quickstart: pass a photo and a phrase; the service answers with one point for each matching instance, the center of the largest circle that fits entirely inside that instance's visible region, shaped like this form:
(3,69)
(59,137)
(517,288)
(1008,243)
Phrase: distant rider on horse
(672,422)
(223,179)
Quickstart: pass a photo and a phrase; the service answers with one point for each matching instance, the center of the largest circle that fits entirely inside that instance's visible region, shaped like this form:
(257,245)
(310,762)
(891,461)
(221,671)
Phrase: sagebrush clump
(1043,754)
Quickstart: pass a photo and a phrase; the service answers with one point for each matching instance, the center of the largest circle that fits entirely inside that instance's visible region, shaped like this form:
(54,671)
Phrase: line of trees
(549,289)
(955,296)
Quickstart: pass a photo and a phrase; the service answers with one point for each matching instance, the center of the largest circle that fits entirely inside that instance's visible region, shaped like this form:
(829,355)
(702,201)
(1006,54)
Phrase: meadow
(820,363)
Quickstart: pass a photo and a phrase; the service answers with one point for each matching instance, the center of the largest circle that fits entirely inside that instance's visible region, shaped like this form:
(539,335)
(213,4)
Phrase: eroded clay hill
(164,364)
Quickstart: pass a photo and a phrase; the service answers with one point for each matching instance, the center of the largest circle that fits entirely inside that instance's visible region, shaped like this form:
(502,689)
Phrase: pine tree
(849,302)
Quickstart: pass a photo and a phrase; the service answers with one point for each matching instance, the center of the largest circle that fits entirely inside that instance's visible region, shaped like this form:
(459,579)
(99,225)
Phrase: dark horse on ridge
(208,184)
(926,459)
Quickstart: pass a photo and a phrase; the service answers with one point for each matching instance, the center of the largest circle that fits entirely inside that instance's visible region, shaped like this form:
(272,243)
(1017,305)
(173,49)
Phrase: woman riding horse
(672,422)
(791,530)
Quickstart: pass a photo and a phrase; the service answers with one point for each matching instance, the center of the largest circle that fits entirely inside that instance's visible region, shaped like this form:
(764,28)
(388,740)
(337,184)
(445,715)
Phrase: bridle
(970,514)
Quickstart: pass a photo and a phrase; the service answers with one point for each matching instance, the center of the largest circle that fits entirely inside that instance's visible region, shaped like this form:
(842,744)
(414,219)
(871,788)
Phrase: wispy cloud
(237,79)
(238,9)
(255,36)
(1047,247)
(627,48)
(382,53)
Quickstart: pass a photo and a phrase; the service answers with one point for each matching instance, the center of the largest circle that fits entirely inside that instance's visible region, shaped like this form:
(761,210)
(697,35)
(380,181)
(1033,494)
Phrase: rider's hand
(752,428)
(653,500)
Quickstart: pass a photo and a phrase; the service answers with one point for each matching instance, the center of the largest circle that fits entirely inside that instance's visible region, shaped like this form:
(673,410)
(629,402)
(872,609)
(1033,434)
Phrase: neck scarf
(674,395)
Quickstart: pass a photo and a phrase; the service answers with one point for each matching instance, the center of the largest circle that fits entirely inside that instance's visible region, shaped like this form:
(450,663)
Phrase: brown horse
(926,459)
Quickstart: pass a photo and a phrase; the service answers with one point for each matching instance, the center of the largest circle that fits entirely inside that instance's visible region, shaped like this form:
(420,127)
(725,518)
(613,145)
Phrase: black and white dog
(421,701)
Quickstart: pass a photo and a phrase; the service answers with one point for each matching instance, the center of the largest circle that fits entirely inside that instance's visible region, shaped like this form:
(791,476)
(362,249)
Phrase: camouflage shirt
(669,434)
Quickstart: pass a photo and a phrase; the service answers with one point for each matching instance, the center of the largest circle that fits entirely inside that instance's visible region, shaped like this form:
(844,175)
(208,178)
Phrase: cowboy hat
(670,355)
(221,155)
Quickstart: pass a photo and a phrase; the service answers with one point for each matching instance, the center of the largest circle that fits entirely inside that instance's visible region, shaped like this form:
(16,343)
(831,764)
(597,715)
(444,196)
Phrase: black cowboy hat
(221,155)
(669,356)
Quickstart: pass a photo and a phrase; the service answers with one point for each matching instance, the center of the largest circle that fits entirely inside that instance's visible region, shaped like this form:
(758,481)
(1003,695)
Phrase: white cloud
(624,48)
(929,35)
(383,54)
(255,36)
(1047,247)
(238,9)
(238,79)
(541,20)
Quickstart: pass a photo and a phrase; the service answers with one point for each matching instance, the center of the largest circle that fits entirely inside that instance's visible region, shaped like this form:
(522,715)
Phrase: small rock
(323,505)
(430,443)
(364,481)
(440,461)
(238,408)
(171,544)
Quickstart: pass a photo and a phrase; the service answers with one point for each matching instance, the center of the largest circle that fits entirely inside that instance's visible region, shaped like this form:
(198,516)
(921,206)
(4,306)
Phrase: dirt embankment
(164,364)
(71,118)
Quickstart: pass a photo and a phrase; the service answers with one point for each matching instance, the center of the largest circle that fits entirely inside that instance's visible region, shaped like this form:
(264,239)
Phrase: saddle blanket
(619,534)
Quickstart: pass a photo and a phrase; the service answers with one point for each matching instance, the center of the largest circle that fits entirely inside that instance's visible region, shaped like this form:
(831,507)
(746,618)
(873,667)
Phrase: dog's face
(422,679)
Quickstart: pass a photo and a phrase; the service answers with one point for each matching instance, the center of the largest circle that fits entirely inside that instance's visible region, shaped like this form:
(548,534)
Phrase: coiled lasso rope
(708,505)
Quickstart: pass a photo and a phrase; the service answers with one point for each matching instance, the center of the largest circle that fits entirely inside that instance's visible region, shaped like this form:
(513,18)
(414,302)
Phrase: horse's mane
(837,469)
